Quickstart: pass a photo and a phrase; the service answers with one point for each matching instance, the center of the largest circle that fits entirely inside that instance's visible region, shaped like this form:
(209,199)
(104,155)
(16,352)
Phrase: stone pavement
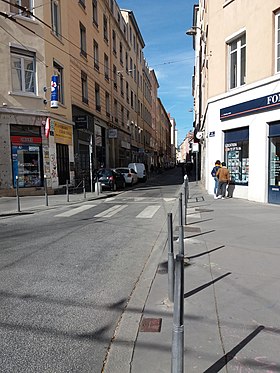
(231,295)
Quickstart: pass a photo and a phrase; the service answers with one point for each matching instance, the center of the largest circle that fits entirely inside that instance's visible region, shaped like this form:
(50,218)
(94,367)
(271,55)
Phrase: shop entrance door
(62,156)
(274,171)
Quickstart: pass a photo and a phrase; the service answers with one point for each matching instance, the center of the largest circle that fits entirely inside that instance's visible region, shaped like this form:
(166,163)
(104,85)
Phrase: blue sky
(169,52)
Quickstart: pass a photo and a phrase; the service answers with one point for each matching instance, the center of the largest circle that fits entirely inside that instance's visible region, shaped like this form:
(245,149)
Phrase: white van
(140,169)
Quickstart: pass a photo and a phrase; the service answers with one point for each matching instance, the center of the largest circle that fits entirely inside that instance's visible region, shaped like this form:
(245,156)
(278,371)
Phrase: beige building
(76,94)
(31,54)
(236,92)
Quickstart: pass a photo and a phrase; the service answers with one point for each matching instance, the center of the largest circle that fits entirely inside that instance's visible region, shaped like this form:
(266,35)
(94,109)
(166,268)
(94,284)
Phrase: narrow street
(68,272)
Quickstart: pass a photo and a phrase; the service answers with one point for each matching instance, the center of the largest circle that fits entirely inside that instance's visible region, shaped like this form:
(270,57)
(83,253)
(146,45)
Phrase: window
(131,98)
(277,39)
(94,12)
(237,62)
(84,87)
(55,10)
(107,103)
(23,70)
(116,110)
(97,97)
(58,70)
(105,27)
(237,155)
(24,3)
(112,6)
(122,115)
(106,66)
(82,3)
(83,40)
(115,76)
(130,71)
(96,55)
(114,42)
(121,53)
(121,84)
(127,92)
(126,62)
(134,72)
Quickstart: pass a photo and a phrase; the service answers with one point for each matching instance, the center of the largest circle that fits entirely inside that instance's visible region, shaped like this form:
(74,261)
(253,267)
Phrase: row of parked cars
(118,178)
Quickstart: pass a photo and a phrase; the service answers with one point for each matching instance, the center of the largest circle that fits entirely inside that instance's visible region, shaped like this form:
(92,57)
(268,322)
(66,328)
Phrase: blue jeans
(216,185)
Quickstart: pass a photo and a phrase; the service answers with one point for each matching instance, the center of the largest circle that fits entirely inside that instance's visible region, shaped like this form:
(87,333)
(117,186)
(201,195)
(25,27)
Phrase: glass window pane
(16,80)
(233,70)
(233,46)
(29,81)
(274,168)
(243,67)
(243,40)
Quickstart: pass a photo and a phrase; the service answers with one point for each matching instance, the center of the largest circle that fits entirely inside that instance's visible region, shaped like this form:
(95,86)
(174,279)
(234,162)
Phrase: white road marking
(148,212)
(169,199)
(75,211)
(111,211)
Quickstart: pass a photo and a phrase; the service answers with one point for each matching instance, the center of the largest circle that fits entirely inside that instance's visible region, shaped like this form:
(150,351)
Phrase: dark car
(110,179)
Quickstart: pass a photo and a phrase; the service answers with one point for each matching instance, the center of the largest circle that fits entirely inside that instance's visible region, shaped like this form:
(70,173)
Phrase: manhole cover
(150,325)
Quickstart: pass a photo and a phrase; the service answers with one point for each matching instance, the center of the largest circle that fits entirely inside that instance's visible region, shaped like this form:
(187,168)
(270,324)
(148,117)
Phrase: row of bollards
(176,283)
(98,190)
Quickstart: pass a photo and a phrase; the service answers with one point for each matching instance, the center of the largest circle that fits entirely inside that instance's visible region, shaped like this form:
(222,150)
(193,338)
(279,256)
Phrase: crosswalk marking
(111,211)
(148,212)
(75,211)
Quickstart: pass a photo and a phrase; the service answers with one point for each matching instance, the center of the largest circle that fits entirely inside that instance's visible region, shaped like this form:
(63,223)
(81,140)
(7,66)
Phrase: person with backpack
(224,178)
(214,175)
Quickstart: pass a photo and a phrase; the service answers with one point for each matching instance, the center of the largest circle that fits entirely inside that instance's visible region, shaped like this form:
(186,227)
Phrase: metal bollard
(17,194)
(46,190)
(170,259)
(84,188)
(67,191)
(180,210)
(185,199)
(177,363)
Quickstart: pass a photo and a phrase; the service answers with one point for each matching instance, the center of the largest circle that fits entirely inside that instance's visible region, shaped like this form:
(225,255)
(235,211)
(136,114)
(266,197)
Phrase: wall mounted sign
(249,107)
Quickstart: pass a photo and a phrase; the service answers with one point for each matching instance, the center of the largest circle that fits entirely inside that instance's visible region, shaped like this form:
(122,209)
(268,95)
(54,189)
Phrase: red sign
(26,140)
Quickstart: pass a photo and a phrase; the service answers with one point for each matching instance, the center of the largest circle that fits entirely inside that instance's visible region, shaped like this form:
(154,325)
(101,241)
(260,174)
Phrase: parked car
(129,175)
(110,179)
(140,169)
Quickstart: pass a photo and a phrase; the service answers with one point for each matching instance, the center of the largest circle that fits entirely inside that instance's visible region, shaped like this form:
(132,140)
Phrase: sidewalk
(232,287)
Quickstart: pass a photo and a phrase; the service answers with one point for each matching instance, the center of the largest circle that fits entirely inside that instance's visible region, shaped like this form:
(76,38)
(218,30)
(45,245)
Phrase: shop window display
(27,165)
(237,155)
(274,169)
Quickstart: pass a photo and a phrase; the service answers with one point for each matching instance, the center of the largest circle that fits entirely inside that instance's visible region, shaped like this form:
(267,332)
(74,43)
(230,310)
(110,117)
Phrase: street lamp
(193,32)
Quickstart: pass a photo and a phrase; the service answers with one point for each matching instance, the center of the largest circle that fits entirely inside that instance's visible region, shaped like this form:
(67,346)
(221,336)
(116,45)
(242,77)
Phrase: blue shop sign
(249,107)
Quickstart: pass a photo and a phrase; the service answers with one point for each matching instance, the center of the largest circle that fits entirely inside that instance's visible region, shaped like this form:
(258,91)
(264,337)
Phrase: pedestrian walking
(214,175)
(224,178)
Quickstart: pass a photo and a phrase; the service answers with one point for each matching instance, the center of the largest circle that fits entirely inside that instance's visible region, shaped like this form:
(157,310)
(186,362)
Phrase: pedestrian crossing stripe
(74,211)
(148,212)
(111,211)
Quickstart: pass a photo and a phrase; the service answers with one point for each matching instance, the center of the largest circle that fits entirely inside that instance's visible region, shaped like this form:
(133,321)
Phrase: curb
(121,349)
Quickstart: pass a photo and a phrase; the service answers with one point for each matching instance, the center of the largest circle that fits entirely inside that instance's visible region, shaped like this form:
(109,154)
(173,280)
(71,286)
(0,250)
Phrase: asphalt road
(67,274)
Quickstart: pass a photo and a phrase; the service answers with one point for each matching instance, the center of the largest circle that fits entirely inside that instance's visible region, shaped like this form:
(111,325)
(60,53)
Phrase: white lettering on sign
(273,99)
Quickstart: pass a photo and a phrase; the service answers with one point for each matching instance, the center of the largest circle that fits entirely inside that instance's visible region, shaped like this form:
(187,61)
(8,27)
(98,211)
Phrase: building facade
(76,94)
(236,92)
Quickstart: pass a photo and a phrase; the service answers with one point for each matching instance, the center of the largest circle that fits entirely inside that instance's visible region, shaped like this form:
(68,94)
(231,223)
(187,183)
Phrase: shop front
(27,160)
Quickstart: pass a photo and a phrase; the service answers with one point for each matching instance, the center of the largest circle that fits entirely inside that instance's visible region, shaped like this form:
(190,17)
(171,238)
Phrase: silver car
(129,175)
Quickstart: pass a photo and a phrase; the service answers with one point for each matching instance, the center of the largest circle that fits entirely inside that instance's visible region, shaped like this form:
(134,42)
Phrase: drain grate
(151,325)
